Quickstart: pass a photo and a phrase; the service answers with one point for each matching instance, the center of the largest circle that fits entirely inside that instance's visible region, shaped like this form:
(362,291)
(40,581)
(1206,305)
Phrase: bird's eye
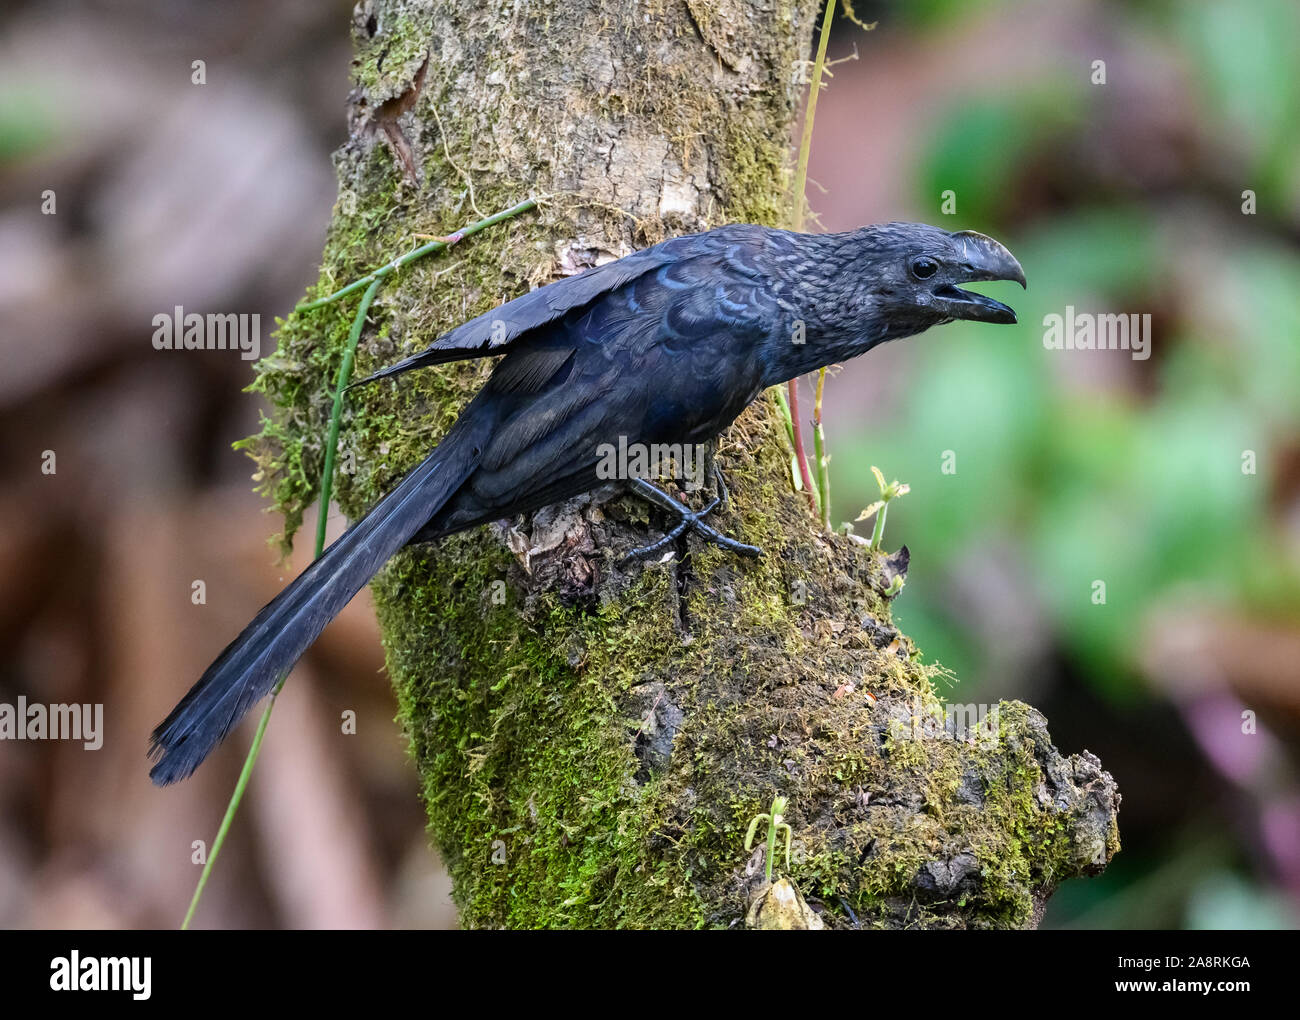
(923,268)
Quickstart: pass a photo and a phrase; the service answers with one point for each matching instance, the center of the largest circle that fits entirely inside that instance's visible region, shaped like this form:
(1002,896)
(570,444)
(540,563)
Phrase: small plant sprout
(881,506)
(775,821)
(895,586)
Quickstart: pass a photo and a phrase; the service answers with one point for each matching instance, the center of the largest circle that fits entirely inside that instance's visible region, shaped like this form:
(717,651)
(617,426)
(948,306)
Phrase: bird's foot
(687,520)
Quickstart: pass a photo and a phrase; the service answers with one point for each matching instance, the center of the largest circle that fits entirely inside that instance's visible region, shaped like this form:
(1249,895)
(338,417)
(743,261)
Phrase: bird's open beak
(982,259)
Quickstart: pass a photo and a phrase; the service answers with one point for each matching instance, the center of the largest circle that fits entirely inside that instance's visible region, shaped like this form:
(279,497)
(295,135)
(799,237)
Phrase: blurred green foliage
(1135,479)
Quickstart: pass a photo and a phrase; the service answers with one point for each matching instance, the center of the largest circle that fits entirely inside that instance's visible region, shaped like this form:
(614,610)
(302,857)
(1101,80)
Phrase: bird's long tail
(254,662)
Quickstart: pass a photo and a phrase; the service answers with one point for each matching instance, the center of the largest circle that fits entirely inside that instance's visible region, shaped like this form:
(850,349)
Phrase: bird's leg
(720,485)
(692,520)
(714,469)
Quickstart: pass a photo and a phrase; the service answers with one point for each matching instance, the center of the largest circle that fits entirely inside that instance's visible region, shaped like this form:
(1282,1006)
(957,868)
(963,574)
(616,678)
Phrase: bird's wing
(492,332)
(667,357)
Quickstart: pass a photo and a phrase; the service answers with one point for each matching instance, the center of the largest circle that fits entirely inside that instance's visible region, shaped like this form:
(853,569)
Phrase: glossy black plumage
(667,345)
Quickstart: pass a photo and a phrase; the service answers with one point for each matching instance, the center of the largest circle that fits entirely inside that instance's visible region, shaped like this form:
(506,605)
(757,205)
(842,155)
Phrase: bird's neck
(831,316)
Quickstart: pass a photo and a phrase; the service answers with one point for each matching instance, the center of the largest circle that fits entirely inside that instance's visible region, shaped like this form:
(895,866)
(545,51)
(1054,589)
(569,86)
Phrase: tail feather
(422,359)
(251,665)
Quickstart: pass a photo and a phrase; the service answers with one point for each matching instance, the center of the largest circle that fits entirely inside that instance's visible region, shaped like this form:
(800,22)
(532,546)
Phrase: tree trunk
(593,742)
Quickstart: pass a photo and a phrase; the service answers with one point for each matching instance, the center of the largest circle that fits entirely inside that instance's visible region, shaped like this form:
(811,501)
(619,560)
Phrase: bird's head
(914,271)
(895,280)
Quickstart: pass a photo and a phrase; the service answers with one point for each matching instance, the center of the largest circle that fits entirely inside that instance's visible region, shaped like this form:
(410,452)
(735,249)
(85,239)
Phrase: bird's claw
(687,520)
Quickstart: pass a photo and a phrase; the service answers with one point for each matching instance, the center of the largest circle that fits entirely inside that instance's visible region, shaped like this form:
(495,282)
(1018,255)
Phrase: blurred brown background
(1072,466)
(215,198)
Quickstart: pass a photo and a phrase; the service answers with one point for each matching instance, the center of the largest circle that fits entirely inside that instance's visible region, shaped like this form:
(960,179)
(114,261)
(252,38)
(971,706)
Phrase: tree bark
(593,742)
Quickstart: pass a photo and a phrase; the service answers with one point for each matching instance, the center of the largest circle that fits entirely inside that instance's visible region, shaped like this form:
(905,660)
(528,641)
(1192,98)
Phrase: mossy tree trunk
(593,743)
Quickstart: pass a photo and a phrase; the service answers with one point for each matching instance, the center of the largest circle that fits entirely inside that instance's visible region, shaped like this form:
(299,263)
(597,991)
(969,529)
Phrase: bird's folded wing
(488,333)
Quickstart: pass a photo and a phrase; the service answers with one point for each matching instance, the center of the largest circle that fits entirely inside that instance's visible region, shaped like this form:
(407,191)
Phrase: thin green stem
(771,842)
(336,415)
(819,450)
(878,532)
(784,405)
(420,252)
(805,142)
(817,494)
(231,808)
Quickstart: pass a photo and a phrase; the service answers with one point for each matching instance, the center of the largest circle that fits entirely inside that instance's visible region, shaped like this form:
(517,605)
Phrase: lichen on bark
(592,742)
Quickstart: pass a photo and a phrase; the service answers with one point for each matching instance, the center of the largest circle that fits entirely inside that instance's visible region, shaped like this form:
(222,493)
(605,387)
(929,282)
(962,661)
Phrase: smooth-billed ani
(665,346)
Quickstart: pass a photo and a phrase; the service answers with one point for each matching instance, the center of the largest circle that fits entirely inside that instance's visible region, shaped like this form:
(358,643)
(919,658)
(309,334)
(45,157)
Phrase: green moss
(757,162)
(386,62)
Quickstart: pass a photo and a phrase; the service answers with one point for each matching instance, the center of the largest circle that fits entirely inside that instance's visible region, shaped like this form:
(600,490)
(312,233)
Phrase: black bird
(665,346)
